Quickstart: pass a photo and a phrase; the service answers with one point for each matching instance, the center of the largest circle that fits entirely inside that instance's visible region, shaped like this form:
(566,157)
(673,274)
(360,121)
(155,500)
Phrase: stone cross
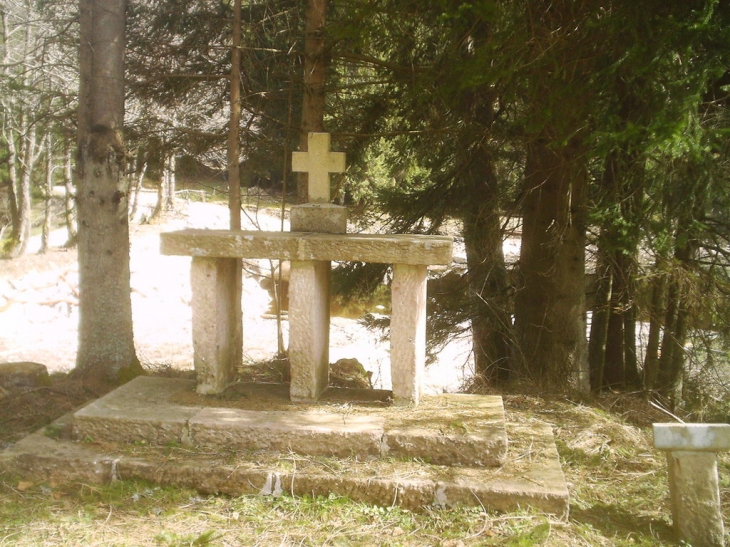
(319,162)
(693,482)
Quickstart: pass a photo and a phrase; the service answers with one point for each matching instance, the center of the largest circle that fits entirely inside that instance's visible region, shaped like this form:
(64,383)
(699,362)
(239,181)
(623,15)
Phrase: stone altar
(317,238)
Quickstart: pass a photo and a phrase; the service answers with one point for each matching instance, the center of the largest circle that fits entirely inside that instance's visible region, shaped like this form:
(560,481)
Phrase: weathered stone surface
(408,332)
(487,448)
(518,482)
(318,217)
(23,375)
(450,435)
(217,324)
(312,433)
(695,494)
(138,411)
(542,487)
(309,324)
(386,249)
(695,437)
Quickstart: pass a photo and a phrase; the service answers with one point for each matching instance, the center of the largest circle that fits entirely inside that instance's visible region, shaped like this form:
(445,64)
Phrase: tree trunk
(671,361)
(24,200)
(315,67)
(487,275)
(169,181)
(234,124)
(166,187)
(106,354)
(140,171)
(656,310)
(235,290)
(48,196)
(69,198)
(599,321)
(550,299)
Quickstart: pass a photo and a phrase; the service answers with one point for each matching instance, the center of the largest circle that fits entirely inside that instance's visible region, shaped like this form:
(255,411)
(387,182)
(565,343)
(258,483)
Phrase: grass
(618,484)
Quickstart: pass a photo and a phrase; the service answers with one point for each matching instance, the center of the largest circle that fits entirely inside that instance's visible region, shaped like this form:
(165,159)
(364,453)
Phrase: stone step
(449,429)
(450,450)
(531,476)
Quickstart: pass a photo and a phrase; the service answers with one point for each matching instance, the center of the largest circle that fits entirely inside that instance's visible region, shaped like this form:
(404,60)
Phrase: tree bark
(106,354)
(140,171)
(487,274)
(599,322)
(315,68)
(550,299)
(24,200)
(47,195)
(656,310)
(234,125)
(69,198)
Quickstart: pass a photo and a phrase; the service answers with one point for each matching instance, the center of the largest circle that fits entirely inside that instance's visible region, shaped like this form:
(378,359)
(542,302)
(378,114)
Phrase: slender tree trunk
(672,359)
(487,274)
(235,291)
(315,68)
(13,185)
(656,310)
(140,171)
(170,182)
(22,236)
(48,196)
(234,124)
(106,354)
(550,299)
(69,198)
(599,321)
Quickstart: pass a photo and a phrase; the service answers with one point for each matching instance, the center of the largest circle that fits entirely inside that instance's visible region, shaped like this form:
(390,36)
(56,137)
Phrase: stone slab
(693,437)
(137,411)
(438,433)
(378,248)
(311,433)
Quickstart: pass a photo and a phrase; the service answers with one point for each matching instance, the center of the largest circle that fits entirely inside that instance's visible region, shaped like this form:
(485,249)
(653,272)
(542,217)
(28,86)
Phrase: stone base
(145,409)
(434,464)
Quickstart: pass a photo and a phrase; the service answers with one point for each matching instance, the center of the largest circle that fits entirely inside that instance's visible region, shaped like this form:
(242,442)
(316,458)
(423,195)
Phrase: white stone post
(408,332)
(693,482)
(309,323)
(217,328)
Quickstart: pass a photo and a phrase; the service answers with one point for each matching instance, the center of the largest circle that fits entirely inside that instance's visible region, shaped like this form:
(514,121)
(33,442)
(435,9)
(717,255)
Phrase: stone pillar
(693,482)
(695,495)
(217,325)
(408,332)
(309,323)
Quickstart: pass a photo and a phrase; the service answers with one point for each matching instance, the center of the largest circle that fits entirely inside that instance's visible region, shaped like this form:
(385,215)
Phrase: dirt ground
(39,318)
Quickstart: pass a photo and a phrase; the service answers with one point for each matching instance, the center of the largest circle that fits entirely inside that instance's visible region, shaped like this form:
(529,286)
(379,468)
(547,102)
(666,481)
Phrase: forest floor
(617,481)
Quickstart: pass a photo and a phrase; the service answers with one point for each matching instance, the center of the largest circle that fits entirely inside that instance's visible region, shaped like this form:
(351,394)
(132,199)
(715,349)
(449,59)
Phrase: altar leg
(309,324)
(408,332)
(217,322)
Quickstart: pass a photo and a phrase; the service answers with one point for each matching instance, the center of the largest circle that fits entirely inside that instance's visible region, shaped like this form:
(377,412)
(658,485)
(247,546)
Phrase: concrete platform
(451,450)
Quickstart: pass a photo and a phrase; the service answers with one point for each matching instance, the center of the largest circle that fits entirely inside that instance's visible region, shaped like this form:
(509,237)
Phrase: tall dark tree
(106,353)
